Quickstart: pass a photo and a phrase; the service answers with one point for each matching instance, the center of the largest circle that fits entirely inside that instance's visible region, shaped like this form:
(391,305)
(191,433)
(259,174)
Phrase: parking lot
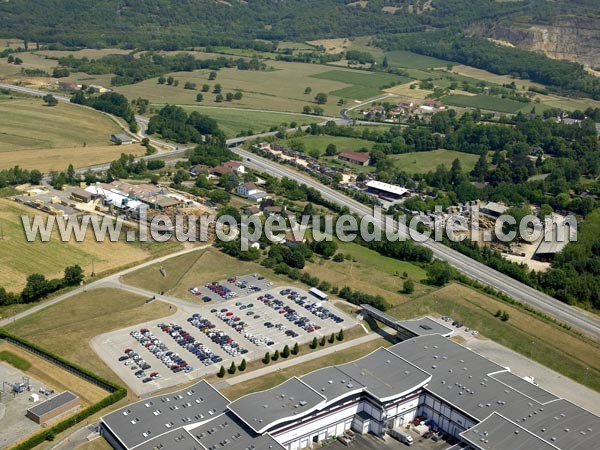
(239,318)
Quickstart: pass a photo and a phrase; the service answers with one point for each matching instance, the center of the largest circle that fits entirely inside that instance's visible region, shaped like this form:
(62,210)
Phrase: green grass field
(90,314)
(364,84)
(320,143)
(409,60)
(15,360)
(423,162)
(486,102)
(233,121)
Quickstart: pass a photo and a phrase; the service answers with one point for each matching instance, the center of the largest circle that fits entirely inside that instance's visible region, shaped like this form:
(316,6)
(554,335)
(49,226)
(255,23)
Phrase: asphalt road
(565,313)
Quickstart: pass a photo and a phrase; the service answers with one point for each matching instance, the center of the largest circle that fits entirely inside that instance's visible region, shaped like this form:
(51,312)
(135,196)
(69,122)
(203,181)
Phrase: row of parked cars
(316,308)
(290,314)
(235,322)
(187,341)
(160,350)
(134,361)
(216,335)
(250,289)
(222,291)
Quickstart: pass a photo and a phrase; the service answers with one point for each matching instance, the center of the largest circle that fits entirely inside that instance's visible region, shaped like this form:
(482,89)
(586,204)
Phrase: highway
(567,314)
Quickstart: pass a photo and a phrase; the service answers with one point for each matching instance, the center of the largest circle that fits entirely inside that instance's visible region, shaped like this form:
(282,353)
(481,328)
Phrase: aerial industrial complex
(428,375)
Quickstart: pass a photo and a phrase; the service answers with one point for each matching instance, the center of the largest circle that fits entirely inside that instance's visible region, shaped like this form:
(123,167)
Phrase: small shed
(53,407)
(121,139)
(34,398)
(318,293)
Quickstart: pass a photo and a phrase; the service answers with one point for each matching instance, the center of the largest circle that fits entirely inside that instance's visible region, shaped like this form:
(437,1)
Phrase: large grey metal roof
(52,403)
(498,433)
(178,439)
(331,382)
(525,387)
(385,375)
(227,432)
(262,410)
(480,387)
(142,421)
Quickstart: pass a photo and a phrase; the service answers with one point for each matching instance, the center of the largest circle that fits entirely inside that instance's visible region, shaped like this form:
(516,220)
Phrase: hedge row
(117,392)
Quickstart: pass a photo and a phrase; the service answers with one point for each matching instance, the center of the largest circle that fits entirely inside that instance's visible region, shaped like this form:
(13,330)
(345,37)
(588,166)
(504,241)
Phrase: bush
(296,349)
(340,336)
(243,365)
(331,338)
(275,356)
(322,341)
(267,358)
(286,352)
(221,372)
(339,257)
(504,317)
(409,286)
(314,343)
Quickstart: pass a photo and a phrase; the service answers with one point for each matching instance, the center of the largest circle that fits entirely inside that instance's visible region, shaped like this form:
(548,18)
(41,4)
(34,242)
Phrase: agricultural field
(364,85)
(91,313)
(34,135)
(235,121)
(534,338)
(20,258)
(486,102)
(423,162)
(279,89)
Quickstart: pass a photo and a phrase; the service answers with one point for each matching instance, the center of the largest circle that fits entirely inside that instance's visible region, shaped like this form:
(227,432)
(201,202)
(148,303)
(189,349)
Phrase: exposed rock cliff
(574,38)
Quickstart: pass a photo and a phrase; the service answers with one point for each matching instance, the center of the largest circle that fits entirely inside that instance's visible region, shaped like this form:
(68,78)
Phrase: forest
(175,24)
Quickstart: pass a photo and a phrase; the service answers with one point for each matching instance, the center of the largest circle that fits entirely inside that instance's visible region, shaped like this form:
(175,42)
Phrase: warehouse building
(460,392)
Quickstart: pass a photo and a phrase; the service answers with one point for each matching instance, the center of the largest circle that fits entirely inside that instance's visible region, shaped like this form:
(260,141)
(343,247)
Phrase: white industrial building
(460,392)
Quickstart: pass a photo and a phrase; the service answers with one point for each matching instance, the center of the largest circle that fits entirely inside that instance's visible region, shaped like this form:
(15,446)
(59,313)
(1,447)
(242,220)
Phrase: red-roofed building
(360,159)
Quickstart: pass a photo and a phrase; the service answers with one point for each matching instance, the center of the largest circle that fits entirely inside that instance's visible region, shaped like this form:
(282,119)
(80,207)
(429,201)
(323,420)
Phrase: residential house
(247,189)
(258,196)
(235,166)
(221,170)
(252,210)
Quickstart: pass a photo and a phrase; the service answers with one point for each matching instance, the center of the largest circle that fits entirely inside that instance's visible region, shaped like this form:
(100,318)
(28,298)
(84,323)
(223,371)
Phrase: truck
(401,435)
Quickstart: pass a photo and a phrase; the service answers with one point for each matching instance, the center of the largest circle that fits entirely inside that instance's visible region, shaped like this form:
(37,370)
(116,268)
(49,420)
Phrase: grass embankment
(89,314)
(14,360)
